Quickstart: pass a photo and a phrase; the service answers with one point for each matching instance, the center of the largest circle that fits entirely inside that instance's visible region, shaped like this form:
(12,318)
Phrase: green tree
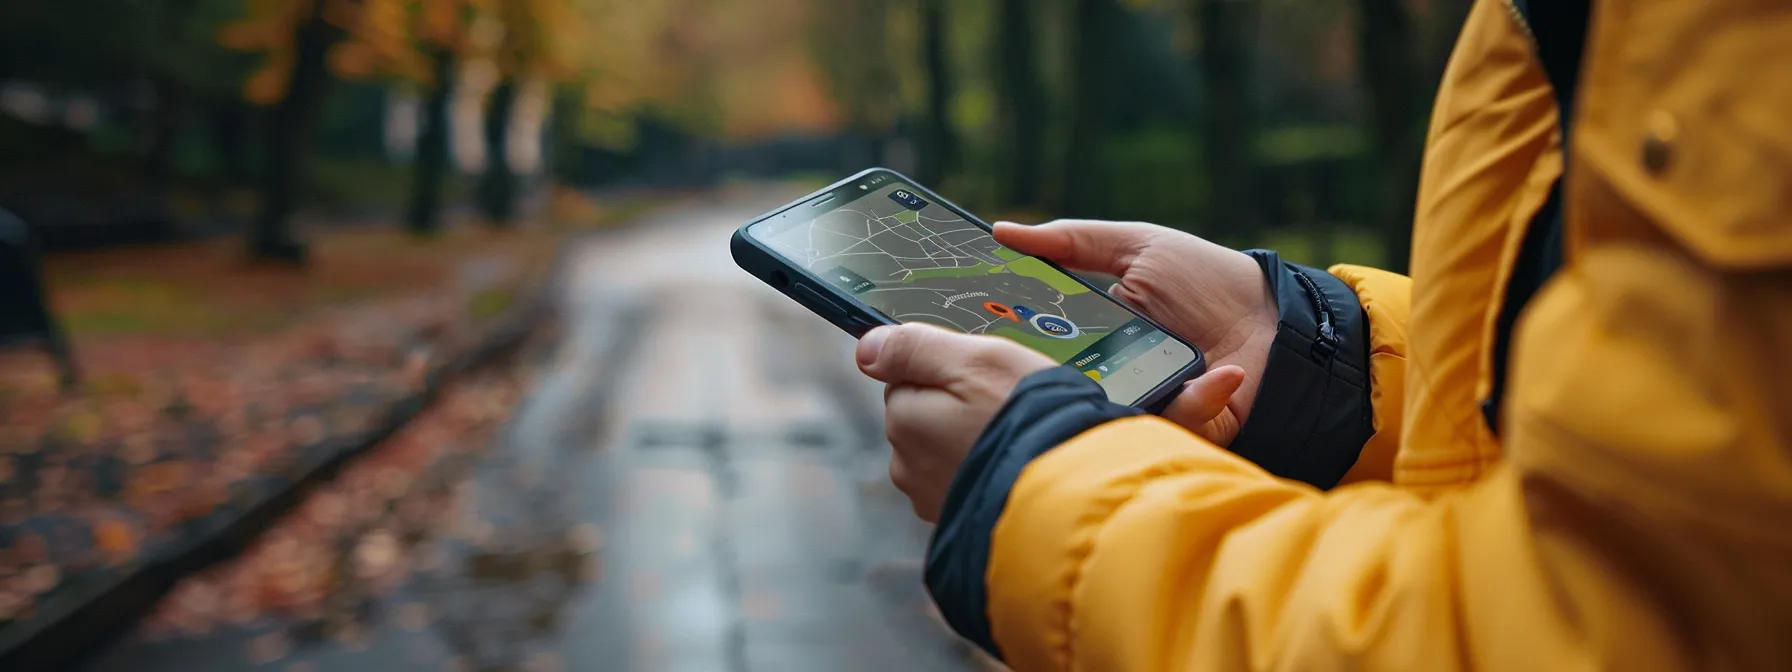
(1021,112)
(296,38)
(1091,31)
(294,119)
(939,150)
(173,99)
(1396,118)
(431,167)
(543,41)
(167,45)
(1226,128)
(443,34)
(498,184)
(853,48)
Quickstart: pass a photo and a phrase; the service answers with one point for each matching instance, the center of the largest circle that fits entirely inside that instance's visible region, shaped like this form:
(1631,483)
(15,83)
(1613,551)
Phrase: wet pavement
(697,481)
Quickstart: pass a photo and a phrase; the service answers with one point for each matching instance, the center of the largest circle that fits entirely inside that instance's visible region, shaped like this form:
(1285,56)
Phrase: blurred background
(399,334)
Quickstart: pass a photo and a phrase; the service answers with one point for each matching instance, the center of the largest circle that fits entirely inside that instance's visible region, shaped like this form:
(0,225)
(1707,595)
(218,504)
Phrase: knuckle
(992,355)
(899,428)
(899,474)
(895,347)
(903,345)
(920,512)
(894,433)
(985,353)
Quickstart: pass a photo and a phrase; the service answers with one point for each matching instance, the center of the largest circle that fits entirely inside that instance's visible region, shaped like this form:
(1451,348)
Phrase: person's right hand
(1210,295)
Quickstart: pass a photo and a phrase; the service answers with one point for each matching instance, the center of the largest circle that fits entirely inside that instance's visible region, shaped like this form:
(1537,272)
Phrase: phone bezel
(759,259)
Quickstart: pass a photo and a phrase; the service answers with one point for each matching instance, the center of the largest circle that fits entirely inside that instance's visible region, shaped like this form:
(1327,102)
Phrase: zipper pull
(1326,346)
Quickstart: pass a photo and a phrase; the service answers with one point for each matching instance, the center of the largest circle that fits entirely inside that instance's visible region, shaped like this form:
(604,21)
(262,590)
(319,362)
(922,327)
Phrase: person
(1564,443)
(25,314)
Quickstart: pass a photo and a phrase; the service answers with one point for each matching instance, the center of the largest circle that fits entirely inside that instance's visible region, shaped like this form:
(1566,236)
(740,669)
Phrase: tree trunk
(430,171)
(939,151)
(1386,42)
(563,146)
(271,238)
(1023,112)
(229,129)
(1227,128)
(1091,33)
(497,188)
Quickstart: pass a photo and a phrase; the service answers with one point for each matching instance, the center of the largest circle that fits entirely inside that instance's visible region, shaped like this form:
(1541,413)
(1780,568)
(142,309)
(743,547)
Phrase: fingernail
(870,344)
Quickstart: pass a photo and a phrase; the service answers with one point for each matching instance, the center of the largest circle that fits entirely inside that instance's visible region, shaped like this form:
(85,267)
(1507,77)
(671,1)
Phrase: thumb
(913,354)
(1202,407)
(1081,244)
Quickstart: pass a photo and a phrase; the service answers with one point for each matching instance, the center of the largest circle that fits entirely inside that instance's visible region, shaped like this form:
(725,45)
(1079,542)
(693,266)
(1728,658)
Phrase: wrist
(1247,341)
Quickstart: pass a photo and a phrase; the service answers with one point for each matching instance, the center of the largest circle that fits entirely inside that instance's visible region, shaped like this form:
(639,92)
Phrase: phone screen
(919,261)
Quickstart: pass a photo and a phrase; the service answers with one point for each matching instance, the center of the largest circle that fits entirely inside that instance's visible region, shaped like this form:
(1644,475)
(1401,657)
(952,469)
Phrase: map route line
(942,318)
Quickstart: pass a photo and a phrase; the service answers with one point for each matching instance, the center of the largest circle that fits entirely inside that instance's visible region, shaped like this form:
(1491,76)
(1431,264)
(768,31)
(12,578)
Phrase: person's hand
(1210,295)
(944,387)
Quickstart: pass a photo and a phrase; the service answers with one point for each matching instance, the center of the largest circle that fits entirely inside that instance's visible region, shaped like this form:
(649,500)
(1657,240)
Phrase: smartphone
(877,248)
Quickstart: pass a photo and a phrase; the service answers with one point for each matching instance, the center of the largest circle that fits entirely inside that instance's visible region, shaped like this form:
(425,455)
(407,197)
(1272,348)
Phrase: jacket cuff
(1045,410)
(1312,414)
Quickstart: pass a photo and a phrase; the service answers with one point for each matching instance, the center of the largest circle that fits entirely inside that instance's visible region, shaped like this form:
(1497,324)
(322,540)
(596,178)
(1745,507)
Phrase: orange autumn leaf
(115,539)
(159,478)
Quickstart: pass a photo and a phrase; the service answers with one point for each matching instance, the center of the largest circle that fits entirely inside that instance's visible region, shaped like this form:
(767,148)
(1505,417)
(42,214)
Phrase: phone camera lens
(779,279)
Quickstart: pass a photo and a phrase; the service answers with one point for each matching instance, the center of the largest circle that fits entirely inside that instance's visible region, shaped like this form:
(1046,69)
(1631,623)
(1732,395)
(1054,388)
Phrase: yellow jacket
(1635,511)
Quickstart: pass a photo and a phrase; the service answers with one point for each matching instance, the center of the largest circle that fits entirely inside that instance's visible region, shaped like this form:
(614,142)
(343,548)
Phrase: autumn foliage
(210,383)
(741,69)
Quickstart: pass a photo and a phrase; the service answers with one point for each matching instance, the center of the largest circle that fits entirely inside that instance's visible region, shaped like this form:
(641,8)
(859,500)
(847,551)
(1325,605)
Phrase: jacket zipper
(1518,18)
(1326,345)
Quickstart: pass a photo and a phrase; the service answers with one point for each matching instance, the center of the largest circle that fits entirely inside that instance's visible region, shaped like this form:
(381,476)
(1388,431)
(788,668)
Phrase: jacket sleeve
(1311,417)
(1330,399)
(1386,300)
(1330,405)
(1637,522)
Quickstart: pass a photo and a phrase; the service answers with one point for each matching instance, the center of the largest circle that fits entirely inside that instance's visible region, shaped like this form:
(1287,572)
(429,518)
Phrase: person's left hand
(944,387)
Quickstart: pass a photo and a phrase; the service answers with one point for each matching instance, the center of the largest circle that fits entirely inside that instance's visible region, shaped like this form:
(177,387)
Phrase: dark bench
(25,317)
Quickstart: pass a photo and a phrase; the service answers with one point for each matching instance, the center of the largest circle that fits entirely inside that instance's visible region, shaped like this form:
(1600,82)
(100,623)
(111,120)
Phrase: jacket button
(1663,129)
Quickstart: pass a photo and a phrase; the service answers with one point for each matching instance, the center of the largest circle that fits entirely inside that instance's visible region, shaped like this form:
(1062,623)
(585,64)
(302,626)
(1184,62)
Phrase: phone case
(855,318)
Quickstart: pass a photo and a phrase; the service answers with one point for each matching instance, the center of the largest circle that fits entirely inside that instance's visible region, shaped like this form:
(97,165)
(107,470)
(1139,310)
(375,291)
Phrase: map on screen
(917,261)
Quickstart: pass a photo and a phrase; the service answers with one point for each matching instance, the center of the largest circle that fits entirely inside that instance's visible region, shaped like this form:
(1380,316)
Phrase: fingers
(926,355)
(1205,397)
(1083,245)
(907,482)
(1202,404)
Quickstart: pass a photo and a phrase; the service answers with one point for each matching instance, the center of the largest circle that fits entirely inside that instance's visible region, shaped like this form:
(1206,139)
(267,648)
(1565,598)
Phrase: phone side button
(857,327)
(818,302)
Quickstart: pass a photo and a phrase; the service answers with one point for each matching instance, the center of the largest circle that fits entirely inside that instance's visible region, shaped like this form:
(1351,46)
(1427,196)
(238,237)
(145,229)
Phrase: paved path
(712,442)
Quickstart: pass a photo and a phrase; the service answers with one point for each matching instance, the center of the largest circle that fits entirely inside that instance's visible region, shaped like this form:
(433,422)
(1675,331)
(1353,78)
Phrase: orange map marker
(1001,310)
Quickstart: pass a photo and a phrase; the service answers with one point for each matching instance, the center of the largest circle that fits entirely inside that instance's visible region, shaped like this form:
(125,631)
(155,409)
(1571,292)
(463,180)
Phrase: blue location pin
(1055,327)
(1025,313)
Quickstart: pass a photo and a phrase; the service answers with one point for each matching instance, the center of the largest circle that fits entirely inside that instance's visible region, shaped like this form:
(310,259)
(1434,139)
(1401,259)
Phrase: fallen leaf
(41,578)
(307,430)
(115,539)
